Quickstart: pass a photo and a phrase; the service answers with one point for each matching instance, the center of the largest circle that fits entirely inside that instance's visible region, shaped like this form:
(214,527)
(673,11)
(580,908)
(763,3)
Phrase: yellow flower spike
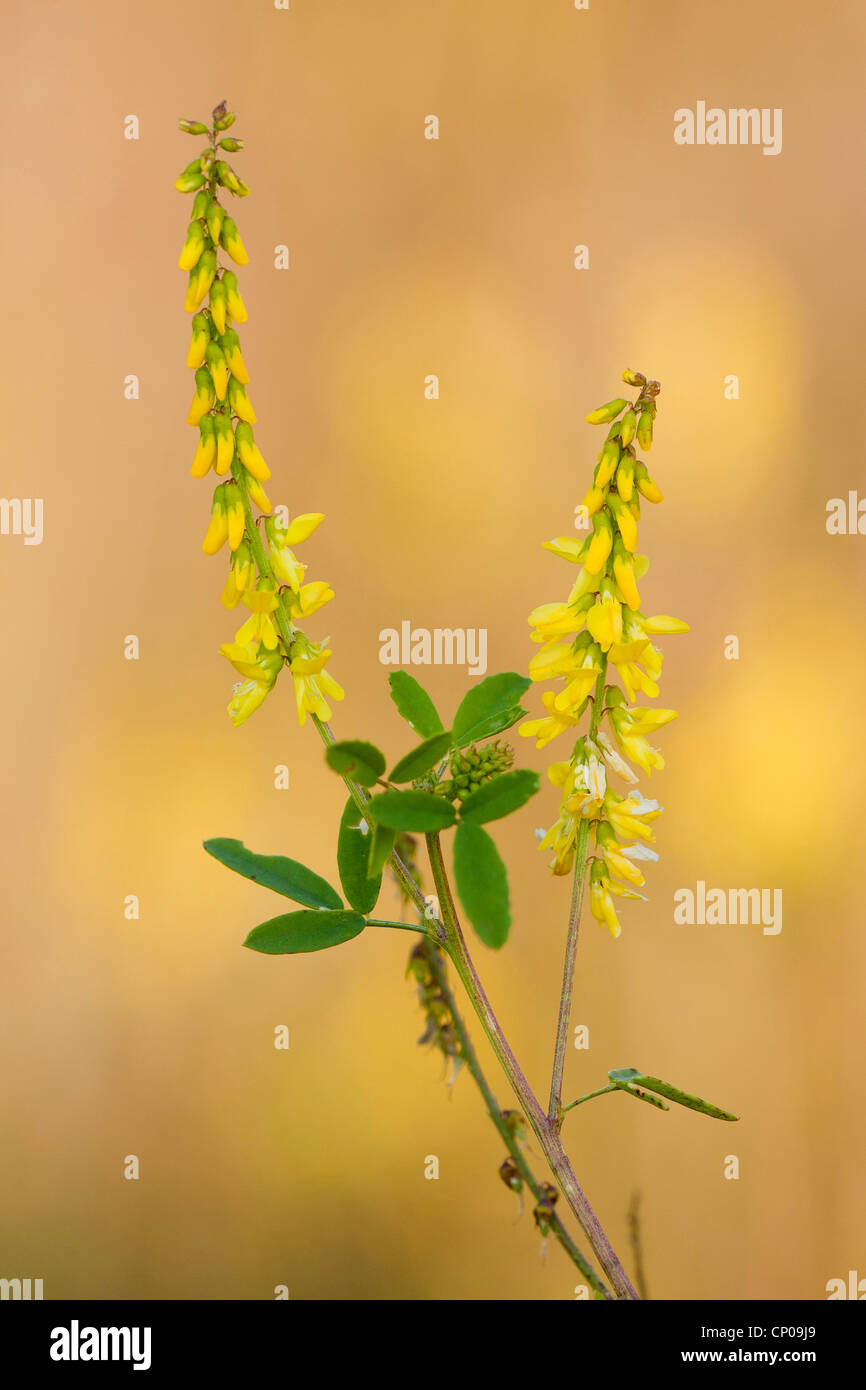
(623,573)
(235,514)
(204,396)
(645,485)
(198,342)
(608,462)
(258,495)
(193,247)
(604,619)
(206,449)
(625,477)
(219,370)
(230,239)
(215,216)
(230,344)
(606,413)
(218,530)
(249,454)
(225,443)
(219,305)
(240,402)
(235,303)
(601,544)
(625,521)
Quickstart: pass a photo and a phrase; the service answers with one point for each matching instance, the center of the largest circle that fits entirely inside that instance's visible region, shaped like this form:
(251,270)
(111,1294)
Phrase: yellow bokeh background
(409,257)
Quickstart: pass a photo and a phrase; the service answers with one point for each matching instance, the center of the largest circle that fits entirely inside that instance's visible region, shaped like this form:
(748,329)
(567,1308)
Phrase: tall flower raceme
(459,779)
(599,628)
(265,576)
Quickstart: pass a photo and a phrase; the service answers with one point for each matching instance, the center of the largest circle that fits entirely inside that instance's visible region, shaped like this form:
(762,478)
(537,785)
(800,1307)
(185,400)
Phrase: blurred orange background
(410,257)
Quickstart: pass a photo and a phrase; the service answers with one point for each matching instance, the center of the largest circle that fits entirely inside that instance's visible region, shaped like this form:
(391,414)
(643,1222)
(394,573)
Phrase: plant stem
(545,1131)
(554,1109)
(473,1066)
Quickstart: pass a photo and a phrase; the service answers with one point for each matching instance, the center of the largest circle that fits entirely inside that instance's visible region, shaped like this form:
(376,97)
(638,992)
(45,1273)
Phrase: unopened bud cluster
(472,768)
(599,626)
(264,573)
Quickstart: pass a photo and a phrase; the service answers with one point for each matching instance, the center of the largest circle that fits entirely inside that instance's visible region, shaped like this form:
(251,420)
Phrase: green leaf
(297,932)
(500,796)
(412,810)
(274,871)
(482,883)
(381,843)
(421,759)
(490,707)
(354,758)
(353,852)
(627,1079)
(414,704)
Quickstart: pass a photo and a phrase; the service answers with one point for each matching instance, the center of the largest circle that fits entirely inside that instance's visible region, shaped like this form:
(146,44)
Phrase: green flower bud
(606,413)
(232,145)
(193,127)
(629,425)
(214,215)
(645,427)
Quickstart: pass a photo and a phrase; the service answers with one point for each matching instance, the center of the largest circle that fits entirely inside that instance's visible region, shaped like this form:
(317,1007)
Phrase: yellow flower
(260,668)
(628,815)
(604,619)
(544,730)
(262,601)
(634,745)
(311,597)
(249,453)
(218,530)
(239,578)
(206,449)
(231,346)
(313,683)
(203,398)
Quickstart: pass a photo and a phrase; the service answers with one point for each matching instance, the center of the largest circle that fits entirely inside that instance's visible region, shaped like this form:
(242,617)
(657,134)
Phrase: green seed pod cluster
(473,767)
(439,1031)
